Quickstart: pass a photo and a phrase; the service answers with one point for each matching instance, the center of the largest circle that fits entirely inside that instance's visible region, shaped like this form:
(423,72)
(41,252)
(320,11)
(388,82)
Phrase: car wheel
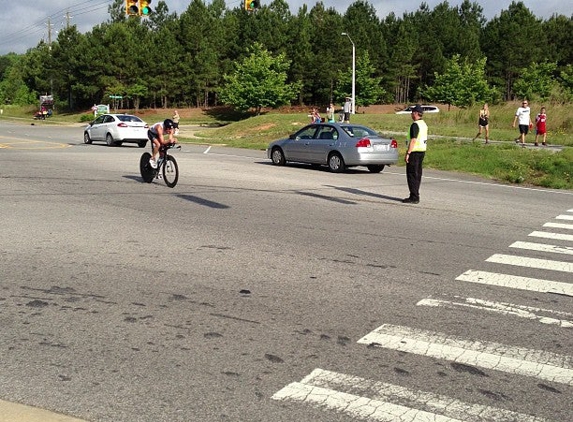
(109,140)
(87,139)
(278,157)
(375,168)
(336,163)
(142,144)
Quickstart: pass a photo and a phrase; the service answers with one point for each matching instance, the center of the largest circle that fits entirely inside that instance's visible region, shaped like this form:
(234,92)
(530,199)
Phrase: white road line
(556,236)
(514,360)
(526,312)
(207,150)
(517,282)
(541,247)
(559,226)
(521,261)
(377,401)
(565,216)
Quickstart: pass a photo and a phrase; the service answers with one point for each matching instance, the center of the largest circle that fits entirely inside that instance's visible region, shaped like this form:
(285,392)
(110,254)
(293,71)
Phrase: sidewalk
(15,412)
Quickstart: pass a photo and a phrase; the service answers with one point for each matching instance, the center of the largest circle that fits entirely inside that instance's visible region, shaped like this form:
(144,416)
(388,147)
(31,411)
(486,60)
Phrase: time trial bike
(166,166)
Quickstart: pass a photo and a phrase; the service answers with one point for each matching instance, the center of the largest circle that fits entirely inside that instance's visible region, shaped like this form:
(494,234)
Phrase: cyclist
(156,134)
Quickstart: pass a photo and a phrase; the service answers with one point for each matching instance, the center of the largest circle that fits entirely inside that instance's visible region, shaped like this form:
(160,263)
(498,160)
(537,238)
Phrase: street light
(353,73)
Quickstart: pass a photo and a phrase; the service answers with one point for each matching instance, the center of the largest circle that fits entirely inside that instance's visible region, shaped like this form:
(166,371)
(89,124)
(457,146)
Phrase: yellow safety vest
(422,138)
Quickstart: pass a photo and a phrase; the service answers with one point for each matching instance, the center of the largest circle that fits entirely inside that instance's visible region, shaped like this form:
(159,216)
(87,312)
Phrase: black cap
(418,109)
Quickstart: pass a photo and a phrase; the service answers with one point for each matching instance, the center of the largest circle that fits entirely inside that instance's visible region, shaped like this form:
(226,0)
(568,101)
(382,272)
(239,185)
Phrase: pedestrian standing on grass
(541,127)
(330,113)
(523,115)
(483,123)
(417,140)
(175,119)
(347,108)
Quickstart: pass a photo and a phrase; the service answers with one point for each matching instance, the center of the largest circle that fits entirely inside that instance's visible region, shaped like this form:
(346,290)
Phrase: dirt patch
(265,127)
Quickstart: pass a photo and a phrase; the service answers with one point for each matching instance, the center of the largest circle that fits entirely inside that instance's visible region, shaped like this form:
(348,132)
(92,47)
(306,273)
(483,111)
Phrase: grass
(450,147)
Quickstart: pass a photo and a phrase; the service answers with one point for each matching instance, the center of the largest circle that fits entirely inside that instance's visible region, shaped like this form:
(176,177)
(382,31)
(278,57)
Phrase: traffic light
(131,8)
(144,9)
(251,5)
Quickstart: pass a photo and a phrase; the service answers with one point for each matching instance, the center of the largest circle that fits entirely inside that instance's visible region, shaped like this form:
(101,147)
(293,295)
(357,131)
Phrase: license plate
(380,147)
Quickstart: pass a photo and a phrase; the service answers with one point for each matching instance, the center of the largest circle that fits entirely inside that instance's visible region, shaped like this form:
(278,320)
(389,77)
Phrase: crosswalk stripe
(514,360)
(559,226)
(565,216)
(556,236)
(521,311)
(522,261)
(541,247)
(379,401)
(517,282)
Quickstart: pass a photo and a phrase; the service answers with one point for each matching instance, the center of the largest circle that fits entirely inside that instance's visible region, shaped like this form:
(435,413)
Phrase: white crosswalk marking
(544,264)
(527,312)
(377,401)
(556,236)
(517,282)
(541,247)
(559,226)
(514,360)
(371,400)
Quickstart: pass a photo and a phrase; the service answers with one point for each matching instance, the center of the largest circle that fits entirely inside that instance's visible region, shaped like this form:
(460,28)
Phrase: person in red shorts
(541,127)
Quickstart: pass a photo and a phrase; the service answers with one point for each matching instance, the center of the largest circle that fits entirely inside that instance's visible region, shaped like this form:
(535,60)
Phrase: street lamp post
(353,73)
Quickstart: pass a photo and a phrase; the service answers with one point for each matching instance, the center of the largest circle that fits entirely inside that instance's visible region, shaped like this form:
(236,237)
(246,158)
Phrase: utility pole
(49,34)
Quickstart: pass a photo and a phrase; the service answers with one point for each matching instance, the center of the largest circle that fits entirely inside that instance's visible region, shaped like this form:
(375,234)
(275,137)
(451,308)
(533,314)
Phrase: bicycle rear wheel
(147,172)
(170,171)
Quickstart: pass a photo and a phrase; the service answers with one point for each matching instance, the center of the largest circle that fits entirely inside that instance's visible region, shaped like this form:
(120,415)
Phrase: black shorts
(524,129)
(175,125)
(483,122)
(152,135)
(347,116)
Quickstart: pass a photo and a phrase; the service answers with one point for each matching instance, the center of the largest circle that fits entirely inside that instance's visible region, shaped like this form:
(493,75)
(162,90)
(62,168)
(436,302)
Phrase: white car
(427,109)
(115,129)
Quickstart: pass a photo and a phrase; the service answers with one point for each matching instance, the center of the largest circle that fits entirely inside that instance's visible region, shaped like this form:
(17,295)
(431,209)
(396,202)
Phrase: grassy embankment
(450,147)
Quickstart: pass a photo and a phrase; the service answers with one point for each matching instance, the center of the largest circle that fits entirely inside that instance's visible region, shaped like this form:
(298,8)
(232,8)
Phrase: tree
(536,81)
(462,84)
(511,42)
(259,81)
(368,88)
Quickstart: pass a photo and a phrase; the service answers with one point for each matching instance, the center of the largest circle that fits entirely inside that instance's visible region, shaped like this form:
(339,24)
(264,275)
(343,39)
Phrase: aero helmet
(168,124)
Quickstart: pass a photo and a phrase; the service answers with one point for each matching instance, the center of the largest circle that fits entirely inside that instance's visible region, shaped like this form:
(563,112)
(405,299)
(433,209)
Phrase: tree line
(449,54)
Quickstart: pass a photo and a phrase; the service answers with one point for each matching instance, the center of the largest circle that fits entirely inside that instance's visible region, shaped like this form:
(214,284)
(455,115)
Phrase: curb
(15,412)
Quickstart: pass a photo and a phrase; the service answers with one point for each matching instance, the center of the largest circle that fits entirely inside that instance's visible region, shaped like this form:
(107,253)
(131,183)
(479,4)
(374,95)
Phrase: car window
(127,118)
(99,120)
(328,132)
(359,131)
(109,119)
(307,132)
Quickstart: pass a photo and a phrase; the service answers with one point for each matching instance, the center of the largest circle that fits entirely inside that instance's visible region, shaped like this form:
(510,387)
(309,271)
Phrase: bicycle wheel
(170,171)
(147,172)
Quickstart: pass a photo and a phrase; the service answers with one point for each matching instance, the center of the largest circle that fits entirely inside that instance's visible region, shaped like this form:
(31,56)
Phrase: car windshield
(359,131)
(125,118)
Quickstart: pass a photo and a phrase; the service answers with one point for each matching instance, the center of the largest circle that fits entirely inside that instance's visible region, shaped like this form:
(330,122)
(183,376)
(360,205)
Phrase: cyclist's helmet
(168,124)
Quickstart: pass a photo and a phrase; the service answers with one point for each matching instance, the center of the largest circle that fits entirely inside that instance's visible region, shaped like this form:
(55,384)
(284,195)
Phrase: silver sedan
(336,145)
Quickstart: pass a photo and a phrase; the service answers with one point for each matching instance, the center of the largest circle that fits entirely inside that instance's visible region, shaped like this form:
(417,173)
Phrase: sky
(24,23)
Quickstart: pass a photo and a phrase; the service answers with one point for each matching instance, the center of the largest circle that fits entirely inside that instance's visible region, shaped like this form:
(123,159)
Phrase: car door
(321,146)
(97,129)
(299,147)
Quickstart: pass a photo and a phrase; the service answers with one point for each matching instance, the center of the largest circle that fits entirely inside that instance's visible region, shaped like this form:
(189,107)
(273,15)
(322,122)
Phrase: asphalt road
(251,292)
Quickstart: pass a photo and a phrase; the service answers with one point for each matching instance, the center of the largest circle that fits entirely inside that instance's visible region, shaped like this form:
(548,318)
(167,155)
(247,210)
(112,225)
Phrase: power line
(77,9)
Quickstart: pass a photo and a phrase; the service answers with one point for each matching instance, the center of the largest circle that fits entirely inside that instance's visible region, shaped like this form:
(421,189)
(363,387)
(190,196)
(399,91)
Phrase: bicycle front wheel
(170,171)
